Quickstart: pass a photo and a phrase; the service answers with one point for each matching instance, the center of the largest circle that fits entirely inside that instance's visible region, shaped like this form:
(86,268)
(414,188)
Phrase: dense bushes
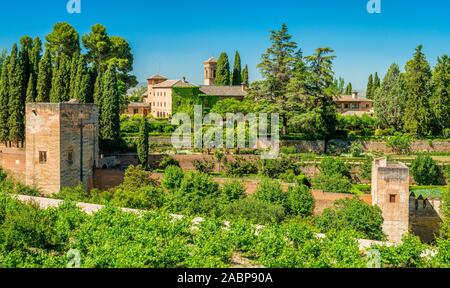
(300,201)
(233,190)
(256,211)
(399,143)
(334,176)
(353,214)
(167,161)
(241,167)
(426,171)
(172,178)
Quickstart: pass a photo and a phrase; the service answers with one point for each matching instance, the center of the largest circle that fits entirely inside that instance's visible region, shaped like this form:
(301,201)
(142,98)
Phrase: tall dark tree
(237,70)
(376,83)
(60,91)
(82,87)
(349,89)
(389,100)
(369,91)
(417,117)
(16,104)
(223,77)
(440,99)
(143,143)
(31,91)
(4,99)
(245,80)
(44,79)
(279,62)
(36,55)
(110,111)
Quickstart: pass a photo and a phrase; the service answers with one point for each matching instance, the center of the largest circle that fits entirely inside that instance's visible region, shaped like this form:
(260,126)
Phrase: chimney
(355,94)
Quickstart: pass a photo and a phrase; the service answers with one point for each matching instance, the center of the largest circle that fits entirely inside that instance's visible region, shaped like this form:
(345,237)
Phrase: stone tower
(61,146)
(390,192)
(210,66)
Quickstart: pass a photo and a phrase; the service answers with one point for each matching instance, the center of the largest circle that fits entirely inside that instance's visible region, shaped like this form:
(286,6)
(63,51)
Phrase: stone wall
(13,161)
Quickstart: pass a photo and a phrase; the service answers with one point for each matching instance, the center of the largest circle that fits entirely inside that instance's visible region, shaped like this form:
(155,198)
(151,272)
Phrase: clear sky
(174,37)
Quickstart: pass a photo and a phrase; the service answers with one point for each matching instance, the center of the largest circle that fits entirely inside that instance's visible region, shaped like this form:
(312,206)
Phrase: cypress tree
(349,89)
(223,71)
(44,81)
(31,91)
(60,81)
(82,88)
(440,99)
(56,89)
(417,116)
(376,83)
(110,111)
(16,105)
(143,143)
(98,92)
(389,100)
(237,71)
(35,55)
(369,92)
(245,76)
(73,77)
(4,99)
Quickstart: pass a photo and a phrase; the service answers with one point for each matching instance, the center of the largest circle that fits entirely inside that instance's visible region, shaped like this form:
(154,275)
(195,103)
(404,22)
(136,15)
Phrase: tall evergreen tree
(82,87)
(44,79)
(110,120)
(36,55)
(279,61)
(417,118)
(16,104)
(143,143)
(245,80)
(440,99)
(369,91)
(4,99)
(73,76)
(98,92)
(31,91)
(223,76)
(389,100)
(237,71)
(60,91)
(376,84)
(349,89)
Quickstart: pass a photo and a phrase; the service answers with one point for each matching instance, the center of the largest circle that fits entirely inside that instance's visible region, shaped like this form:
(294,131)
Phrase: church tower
(210,66)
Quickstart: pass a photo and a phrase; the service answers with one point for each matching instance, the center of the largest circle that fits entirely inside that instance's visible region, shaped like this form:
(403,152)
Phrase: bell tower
(210,66)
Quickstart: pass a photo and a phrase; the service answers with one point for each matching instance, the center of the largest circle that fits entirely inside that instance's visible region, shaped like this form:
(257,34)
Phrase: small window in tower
(392,198)
(42,157)
(70,157)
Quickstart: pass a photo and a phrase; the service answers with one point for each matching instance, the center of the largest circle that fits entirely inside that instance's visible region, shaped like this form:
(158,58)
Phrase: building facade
(61,145)
(390,192)
(353,105)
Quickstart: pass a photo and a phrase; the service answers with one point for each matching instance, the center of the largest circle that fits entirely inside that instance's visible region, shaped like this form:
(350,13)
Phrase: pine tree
(4,99)
(44,81)
(369,92)
(31,91)
(389,100)
(245,80)
(143,143)
(223,71)
(110,120)
(237,71)
(16,104)
(440,99)
(349,89)
(417,116)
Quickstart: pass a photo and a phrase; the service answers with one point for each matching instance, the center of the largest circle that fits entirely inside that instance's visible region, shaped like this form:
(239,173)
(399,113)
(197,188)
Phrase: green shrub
(167,161)
(426,171)
(143,198)
(240,167)
(356,149)
(233,190)
(300,201)
(334,166)
(270,191)
(399,143)
(204,166)
(256,211)
(173,175)
(273,168)
(353,214)
(136,177)
(332,183)
(77,193)
(366,168)
(2,175)
(288,150)
(303,180)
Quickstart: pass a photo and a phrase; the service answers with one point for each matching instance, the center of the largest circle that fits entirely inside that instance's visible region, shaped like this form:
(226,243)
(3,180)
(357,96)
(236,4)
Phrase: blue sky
(174,37)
